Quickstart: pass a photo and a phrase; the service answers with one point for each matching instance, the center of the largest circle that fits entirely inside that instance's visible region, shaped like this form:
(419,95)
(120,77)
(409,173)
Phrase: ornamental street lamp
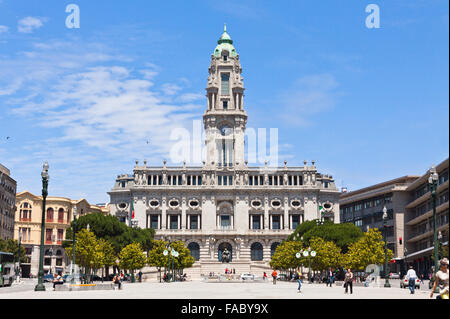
(166,253)
(308,253)
(45,177)
(433,181)
(73,243)
(386,274)
(174,254)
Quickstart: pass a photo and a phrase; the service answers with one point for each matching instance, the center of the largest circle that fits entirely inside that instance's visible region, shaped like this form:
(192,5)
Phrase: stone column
(183,213)
(266,212)
(164,213)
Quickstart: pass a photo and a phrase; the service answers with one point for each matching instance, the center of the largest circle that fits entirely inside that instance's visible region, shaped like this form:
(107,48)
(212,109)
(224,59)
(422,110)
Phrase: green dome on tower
(225,43)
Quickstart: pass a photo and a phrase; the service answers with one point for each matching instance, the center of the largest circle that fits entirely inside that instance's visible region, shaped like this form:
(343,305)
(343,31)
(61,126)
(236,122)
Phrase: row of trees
(336,246)
(92,254)
(108,242)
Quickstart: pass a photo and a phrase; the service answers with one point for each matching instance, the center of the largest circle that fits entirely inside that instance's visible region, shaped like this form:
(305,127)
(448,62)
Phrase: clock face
(225,130)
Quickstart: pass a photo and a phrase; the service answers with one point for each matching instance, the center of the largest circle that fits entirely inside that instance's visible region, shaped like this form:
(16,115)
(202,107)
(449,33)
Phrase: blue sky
(366,104)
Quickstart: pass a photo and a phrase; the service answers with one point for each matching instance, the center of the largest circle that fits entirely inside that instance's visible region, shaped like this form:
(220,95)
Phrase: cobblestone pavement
(200,290)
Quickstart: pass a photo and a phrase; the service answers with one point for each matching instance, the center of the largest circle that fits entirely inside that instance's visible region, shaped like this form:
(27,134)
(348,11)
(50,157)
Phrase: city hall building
(225,203)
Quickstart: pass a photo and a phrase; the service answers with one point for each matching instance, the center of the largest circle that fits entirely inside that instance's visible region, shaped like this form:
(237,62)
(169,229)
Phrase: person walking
(348,281)
(330,277)
(274,276)
(442,280)
(411,276)
(140,276)
(298,277)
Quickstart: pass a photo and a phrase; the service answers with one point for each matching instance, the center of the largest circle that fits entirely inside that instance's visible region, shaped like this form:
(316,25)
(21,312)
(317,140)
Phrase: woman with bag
(348,281)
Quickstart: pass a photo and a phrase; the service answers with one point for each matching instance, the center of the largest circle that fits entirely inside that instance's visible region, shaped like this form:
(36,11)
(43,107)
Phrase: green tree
(156,257)
(342,235)
(368,250)
(284,257)
(131,257)
(184,259)
(112,230)
(12,246)
(109,255)
(328,254)
(88,252)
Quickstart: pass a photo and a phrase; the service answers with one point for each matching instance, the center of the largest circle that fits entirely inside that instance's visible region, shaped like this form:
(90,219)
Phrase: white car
(247,276)
(394,275)
(404,283)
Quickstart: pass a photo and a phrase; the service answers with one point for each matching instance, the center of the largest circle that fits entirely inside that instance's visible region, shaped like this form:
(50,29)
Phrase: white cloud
(307,96)
(99,110)
(29,24)
(3,29)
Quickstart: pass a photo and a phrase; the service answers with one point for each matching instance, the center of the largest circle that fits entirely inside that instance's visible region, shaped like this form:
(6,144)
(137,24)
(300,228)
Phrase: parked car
(405,284)
(48,278)
(394,275)
(283,277)
(247,276)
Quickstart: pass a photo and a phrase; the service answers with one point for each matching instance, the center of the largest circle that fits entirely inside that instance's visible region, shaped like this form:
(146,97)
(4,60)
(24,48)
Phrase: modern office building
(59,215)
(419,219)
(7,203)
(410,216)
(225,203)
(364,208)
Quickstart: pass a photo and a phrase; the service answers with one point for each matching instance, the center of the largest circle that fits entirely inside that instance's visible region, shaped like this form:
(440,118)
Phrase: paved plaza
(203,290)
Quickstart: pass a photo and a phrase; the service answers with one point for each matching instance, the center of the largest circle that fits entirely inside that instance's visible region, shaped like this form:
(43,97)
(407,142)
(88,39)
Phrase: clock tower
(225,118)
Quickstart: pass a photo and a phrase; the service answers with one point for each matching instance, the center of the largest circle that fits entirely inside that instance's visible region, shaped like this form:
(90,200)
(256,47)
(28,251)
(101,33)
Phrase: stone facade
(59,215)
(225,203)
(7,203)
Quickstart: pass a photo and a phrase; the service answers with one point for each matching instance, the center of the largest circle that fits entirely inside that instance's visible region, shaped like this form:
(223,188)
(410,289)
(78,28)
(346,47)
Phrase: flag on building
(321,210)
(132,210)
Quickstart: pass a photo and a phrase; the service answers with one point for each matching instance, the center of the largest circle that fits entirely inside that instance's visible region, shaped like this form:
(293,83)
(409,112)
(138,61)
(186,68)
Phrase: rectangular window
(154,222)
(295,221)
(173,221)
(225,88)
(256,221)
(48,235)
(219,180)
(60,235)
(225,220)
(276,222)
(225,105)
(193,222)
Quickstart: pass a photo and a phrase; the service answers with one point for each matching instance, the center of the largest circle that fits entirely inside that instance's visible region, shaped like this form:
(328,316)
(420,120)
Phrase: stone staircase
(206,267)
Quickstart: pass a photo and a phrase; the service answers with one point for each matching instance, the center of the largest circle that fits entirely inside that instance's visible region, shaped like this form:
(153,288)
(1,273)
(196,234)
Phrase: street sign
(313,253)
(305,253)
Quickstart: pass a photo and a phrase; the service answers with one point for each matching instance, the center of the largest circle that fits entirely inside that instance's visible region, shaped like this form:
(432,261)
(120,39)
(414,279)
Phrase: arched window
(256,251)
(60,215)
(195,250)
(273,247)
(50,214)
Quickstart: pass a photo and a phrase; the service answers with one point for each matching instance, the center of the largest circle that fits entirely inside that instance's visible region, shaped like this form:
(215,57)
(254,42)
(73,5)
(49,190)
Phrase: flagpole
(131,212)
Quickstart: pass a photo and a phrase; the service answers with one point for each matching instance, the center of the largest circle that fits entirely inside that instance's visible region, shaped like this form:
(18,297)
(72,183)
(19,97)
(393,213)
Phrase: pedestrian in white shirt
(411,276)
